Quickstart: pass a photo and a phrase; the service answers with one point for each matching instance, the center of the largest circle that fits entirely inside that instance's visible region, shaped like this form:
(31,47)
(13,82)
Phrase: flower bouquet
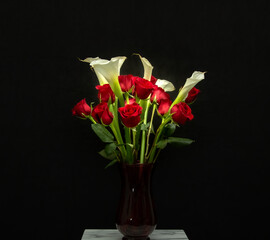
(123,120)
(125,102)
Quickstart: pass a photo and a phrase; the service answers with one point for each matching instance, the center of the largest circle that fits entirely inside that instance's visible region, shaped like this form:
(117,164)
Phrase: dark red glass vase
(136,214)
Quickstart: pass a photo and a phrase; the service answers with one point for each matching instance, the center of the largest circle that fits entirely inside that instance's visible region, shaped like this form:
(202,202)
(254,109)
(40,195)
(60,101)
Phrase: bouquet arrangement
(123,118)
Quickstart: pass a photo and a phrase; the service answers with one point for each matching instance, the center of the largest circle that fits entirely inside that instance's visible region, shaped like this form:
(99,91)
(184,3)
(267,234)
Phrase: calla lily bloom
(189,84)
(167,86)
(89,59)
(101,79)
(108,70)
(148,68)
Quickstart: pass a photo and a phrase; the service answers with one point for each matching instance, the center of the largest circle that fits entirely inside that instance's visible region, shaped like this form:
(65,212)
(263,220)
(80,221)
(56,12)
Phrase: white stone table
(113,234)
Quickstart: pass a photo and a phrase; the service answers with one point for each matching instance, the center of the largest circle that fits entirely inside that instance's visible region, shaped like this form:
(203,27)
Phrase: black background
(53,181)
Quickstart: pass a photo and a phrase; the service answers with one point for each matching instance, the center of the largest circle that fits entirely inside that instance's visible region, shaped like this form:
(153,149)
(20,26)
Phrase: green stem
(142,155)
(134,136)
(128,141)
(121,101)
(128,137)
(135,149)
(117,157)
(178,99)
(127,98)
(121,148)
(137,137)
(115,128)
(149,130)
(117,91)
(158,133)
(159,150)
(92,119)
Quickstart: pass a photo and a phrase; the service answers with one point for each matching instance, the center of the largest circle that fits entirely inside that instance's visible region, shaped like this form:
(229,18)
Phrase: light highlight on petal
(166,85)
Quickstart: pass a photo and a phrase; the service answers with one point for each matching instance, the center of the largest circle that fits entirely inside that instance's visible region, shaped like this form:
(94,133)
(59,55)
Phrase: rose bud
(153,80)
(192,95)
(126,82)
(164,106)
(130,101)
(181,113)
(105,93)
(143,87)
(130,114)
(81,109)
(159,94)
(102,114)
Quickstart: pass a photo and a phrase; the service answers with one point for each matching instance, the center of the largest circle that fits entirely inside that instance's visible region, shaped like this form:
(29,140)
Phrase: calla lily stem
(158,133)
(128,137)
(145,114)
(150,128)
(116,130)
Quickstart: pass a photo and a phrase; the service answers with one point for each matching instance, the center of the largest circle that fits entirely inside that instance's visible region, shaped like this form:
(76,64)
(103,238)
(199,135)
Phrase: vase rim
(136,164)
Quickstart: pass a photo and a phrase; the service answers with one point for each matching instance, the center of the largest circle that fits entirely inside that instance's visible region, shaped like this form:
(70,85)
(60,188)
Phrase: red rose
(126,82)
(164,106)
(159,94)
(102,114)
(81,109)
(153,80)
(130,114)
(143,87)
(192,95)
(105,93)
(181,113)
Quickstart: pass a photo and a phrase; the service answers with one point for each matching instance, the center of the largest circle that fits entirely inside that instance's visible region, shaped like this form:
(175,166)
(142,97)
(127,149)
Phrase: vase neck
(136,175)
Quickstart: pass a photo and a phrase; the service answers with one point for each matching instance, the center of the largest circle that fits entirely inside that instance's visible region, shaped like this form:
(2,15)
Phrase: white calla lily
(89,59)
(189,84)
(166,85)
(100,77)
(148,68)
(108,71)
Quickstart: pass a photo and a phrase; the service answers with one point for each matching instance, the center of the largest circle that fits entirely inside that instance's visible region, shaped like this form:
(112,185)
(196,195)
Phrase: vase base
(136,238)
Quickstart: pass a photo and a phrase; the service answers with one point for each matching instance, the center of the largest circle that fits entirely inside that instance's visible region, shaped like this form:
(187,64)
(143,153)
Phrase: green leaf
(107,156)
(180,141)
(110,148)
(111,163)
(102,133)
(144,127)
(162,143)
(175,141)
(169,129)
